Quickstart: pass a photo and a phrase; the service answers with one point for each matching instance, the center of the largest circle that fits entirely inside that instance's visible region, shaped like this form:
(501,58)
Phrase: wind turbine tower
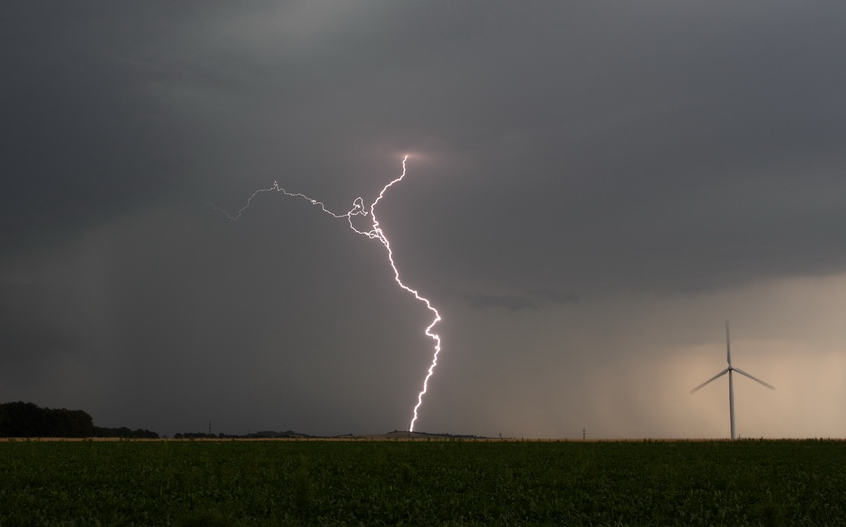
(730,370)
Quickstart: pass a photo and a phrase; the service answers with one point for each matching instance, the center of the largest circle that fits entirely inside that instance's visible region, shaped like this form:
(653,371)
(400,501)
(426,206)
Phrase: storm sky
(593,188)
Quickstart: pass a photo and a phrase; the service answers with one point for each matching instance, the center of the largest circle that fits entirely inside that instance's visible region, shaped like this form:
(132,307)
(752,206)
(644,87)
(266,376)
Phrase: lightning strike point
(375,232)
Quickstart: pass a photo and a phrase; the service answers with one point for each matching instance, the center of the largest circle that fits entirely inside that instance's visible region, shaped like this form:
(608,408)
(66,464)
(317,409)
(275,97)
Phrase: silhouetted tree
(20,419)
(125,433)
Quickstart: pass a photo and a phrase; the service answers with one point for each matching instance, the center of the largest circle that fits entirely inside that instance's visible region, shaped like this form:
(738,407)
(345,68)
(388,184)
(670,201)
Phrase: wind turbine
(730,370)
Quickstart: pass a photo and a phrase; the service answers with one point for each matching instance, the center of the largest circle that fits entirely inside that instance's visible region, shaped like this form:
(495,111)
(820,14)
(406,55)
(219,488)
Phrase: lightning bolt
(375,232)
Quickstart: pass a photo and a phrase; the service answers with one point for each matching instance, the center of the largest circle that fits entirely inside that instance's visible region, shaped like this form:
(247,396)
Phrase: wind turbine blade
(738,370)
(715,377)
(728,345)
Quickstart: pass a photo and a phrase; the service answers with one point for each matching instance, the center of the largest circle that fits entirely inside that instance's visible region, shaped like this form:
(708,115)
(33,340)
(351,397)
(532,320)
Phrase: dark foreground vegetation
(195,483)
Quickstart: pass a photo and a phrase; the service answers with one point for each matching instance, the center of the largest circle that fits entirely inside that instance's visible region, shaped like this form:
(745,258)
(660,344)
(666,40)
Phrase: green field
(193,483)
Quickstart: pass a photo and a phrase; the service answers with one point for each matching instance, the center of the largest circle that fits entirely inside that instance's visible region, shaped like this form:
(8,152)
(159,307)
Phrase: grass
(217,483)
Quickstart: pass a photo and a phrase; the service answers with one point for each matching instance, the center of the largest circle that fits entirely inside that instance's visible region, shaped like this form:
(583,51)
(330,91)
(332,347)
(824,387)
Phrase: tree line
(269,434)
(20,419)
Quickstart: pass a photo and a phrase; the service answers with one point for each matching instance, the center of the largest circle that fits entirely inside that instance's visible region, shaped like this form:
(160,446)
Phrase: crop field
(459,482)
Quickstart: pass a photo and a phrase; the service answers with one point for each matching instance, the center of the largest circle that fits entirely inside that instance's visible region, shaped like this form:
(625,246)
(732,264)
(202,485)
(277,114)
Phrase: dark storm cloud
(536,300)
(27,331)
(564,156)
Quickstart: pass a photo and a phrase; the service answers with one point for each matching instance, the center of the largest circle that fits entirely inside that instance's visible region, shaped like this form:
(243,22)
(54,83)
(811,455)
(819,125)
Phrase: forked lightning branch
(375,232)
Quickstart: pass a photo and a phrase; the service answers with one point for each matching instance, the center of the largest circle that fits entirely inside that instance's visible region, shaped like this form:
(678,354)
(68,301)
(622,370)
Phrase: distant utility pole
(584,433)
(209,426)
